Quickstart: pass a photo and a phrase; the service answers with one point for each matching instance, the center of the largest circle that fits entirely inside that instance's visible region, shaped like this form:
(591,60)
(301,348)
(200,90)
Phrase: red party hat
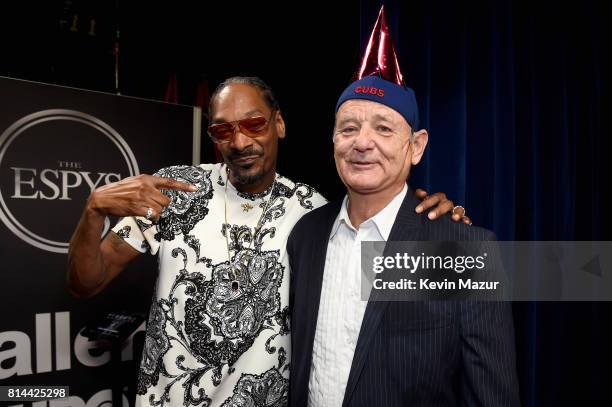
(380,58)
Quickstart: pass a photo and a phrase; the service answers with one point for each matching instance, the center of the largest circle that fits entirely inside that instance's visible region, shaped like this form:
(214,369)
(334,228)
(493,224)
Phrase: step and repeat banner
(57,145)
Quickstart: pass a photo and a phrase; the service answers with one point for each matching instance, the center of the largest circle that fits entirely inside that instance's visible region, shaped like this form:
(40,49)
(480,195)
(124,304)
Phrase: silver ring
(458,206)
(149,214)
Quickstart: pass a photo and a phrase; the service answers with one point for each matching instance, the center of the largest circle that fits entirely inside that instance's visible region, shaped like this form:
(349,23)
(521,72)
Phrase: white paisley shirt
(210,341)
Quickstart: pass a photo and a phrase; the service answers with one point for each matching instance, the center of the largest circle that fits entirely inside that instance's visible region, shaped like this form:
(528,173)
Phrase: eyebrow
(346,121)
(382,117)
(252,112)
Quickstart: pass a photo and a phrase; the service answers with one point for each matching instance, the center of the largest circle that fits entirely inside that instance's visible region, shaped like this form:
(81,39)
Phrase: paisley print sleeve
(134,232)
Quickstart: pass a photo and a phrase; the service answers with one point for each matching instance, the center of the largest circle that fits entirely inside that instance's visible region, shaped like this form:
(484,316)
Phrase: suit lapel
(405,228)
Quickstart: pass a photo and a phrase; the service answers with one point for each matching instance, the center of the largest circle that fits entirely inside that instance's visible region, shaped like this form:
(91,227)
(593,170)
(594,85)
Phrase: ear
(419,142)
(280,125)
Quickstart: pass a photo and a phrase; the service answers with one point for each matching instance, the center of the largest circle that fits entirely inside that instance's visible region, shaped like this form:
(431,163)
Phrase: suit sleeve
(488,376)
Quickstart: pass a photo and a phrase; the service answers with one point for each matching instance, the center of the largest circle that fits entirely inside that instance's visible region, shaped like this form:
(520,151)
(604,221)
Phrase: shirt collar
(341,218)
(383,220)
(246,195)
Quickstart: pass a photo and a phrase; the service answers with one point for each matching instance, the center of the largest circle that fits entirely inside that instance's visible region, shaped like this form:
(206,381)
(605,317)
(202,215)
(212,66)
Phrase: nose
(363,140)
(240,141)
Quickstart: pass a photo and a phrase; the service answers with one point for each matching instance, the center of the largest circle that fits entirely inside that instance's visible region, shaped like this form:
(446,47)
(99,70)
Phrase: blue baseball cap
(399,98)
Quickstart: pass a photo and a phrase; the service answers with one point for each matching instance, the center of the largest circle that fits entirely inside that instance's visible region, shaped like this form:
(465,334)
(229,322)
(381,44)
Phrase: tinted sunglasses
(222,133)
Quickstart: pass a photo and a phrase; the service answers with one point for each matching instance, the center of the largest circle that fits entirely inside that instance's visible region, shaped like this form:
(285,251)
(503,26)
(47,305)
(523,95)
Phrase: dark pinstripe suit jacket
(408,353)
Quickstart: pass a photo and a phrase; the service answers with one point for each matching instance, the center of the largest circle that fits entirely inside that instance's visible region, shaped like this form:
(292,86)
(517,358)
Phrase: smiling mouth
(246,160)
(362,164)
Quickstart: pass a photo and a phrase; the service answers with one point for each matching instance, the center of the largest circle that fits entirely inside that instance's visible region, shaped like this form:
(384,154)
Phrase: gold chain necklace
(235,275)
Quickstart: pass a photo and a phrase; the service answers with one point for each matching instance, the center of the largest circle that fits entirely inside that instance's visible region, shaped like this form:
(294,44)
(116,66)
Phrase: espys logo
(50,161)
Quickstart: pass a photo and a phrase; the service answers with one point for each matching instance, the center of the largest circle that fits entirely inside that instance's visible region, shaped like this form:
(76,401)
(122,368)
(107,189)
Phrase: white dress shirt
(341,307)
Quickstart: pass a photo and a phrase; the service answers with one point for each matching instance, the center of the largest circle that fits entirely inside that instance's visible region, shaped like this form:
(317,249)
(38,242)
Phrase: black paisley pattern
(269,389)
(124,232)
(284,321)
(239,313)
(186,208)
(156,345)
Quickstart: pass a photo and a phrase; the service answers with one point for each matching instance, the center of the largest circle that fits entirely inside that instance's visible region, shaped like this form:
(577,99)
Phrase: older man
(351,352)
(218,330)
